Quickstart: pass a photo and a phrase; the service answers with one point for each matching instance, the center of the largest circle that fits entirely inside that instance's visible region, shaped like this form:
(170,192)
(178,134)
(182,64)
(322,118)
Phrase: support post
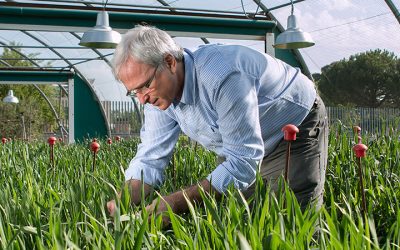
(71,111)
(269,42)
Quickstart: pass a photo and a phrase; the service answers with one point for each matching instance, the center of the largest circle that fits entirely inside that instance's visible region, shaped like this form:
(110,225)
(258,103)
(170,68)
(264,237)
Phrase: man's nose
(143,99)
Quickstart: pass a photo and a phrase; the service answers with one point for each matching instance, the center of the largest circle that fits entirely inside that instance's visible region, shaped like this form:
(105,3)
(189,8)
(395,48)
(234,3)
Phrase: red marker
(361,150)
(95,147)
(289,135)
(357,129)
(52,140)
(289,132)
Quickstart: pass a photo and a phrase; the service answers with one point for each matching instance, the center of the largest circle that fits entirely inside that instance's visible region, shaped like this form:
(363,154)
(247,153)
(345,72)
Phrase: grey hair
(146,44)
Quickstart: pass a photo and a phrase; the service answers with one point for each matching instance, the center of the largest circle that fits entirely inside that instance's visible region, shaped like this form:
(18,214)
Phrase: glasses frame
(145,87)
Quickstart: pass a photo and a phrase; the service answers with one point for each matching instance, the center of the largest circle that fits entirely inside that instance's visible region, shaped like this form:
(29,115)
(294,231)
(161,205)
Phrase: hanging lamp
(10,98)
(293,37)
(101,36)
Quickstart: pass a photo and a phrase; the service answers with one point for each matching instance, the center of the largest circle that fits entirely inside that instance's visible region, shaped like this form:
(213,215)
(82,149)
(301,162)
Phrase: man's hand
(135,191)
(177,200)
(161,208)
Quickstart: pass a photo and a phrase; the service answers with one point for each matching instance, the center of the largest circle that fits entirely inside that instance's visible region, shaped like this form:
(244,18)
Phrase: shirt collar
(189,90)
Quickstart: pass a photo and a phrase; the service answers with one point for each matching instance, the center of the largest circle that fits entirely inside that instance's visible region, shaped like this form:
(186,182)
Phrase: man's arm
(177,201)
(158,137)
(135,191)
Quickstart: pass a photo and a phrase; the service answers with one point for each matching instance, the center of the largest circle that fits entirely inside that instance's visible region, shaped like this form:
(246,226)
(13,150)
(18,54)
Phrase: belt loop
(316,101)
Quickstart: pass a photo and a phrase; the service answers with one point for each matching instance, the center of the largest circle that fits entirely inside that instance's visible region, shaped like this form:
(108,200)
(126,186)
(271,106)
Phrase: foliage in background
(368,79)
(32,105)
(63,207)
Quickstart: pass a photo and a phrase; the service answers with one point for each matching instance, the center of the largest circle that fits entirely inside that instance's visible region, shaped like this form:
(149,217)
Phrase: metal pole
(360,173)
(23,127)
(393,8)
(94,161)
(166,6)
(287,162)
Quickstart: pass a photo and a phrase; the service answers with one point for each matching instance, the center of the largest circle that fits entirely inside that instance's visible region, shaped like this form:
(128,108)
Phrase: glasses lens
(146,86)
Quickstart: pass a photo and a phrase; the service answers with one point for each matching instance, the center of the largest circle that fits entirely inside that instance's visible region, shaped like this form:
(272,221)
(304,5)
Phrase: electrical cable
(356,21)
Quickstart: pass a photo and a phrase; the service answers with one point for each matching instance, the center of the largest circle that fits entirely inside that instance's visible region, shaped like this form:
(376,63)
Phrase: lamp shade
(10,98)
(293,37)
(101,36)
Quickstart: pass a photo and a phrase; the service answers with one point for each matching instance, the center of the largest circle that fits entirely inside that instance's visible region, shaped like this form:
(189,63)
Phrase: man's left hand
(177,201)
(162,208)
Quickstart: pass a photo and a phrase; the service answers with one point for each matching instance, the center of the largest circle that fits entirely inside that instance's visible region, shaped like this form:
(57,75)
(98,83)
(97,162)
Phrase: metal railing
(124,122)
(122,118)
(371,120)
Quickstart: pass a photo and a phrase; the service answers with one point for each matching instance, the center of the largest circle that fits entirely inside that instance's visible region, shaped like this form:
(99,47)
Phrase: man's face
(155,85)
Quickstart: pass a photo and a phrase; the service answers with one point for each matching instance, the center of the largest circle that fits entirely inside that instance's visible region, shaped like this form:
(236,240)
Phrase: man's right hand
(135,191)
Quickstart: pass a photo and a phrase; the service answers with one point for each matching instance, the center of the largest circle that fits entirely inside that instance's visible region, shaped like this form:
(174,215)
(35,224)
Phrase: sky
(340,28)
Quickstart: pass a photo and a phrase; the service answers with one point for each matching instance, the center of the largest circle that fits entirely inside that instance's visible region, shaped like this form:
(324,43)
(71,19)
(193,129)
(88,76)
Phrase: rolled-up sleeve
(158,136)
(238,121)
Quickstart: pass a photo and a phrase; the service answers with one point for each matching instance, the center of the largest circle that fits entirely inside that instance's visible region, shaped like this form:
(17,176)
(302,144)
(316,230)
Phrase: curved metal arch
(62,129)
(21,54)
(28,59)
(77,71)
(5,63)
(394,9)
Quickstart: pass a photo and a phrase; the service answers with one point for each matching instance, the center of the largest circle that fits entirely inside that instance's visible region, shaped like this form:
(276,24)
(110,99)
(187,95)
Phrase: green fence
(123,120)
(371,120)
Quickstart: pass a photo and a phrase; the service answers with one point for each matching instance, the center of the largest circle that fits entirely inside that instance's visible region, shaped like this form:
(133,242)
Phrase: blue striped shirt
(235,102)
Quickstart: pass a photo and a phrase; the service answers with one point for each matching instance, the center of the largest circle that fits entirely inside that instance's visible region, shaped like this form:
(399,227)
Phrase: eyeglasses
(146,86)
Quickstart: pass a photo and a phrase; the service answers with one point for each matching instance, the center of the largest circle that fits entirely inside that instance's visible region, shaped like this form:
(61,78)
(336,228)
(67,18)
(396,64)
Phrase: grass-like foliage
(64,207)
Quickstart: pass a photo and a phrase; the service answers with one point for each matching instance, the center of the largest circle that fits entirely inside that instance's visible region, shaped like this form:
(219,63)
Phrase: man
(232,100)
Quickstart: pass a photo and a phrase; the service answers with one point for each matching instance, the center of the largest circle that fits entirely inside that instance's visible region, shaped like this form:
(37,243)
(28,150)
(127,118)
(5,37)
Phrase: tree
(32,106)
(368,79)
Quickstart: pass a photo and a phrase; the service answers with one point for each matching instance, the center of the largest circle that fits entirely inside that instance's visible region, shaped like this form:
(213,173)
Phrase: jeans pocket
(314,132)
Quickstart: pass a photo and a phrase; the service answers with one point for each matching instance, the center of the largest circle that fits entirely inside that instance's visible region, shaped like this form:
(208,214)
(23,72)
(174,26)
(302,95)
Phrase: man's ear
(170,62)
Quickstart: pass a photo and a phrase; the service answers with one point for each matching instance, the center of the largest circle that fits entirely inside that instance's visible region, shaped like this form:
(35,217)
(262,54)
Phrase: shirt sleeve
(158,135)
(236,104)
